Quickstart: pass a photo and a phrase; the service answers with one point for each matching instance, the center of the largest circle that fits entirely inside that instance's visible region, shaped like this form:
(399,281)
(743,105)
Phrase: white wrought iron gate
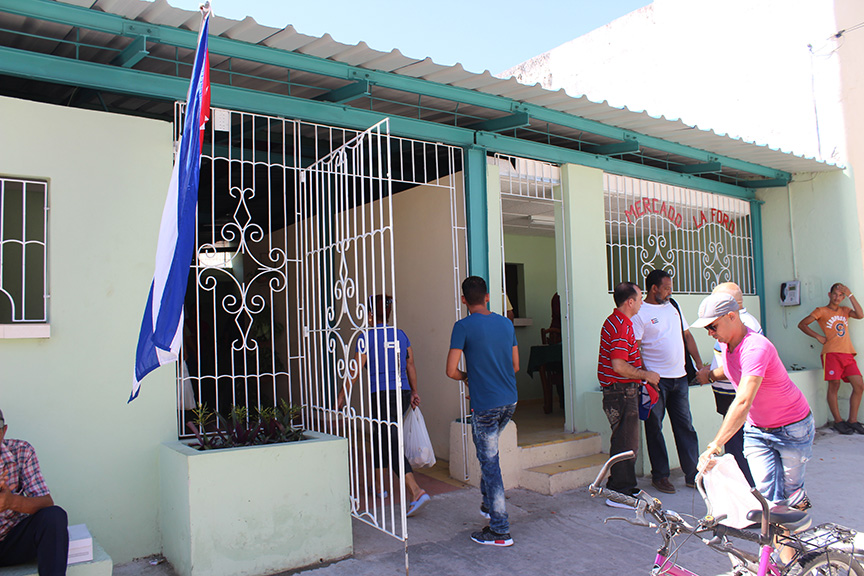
(294,241)
(346,253)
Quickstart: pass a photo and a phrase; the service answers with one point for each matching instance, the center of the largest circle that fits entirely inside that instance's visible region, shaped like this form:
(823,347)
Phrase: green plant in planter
(202,418)
(271,425)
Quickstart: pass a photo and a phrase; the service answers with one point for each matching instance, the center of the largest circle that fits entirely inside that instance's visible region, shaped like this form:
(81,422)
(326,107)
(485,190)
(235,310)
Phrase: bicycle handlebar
(619,497)
(595,488)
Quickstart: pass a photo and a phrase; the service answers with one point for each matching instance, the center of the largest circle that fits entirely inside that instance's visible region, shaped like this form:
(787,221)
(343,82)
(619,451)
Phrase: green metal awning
(136,59)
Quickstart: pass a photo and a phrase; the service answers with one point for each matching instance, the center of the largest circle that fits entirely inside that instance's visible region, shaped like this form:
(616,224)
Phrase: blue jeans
(675,399)
(486,427)
(778,458)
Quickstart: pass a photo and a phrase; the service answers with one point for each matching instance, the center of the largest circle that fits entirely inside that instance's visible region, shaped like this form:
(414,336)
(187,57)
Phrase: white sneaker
(613,504)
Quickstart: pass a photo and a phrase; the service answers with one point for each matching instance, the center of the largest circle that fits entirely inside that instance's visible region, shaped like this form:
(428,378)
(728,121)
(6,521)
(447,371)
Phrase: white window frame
(24,323)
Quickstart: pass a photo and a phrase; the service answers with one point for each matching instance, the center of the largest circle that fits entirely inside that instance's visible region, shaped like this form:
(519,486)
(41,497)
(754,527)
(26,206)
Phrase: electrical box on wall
(790,293)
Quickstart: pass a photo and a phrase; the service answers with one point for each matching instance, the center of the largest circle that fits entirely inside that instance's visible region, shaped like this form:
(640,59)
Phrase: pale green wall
(583,286)
(108,176)
(591,300)
(822,246)
(537,255)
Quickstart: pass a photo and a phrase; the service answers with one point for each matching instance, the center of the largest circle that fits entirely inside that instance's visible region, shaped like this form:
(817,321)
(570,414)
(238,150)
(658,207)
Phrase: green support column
(581,271)
(758,256)
(476,215)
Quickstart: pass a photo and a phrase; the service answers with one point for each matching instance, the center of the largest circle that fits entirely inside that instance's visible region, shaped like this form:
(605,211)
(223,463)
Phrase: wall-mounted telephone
(790,293)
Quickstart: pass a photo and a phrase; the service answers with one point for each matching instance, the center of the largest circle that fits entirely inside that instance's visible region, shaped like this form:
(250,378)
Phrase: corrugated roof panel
(285,39)
(248,30)
(323,47)
(386,61)
(353,55)
(419,68)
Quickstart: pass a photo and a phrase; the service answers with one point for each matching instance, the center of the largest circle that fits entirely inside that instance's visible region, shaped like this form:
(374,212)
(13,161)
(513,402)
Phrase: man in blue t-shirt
(488,341)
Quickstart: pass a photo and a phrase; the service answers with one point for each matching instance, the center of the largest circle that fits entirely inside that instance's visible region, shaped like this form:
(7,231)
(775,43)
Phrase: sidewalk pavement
(565,533)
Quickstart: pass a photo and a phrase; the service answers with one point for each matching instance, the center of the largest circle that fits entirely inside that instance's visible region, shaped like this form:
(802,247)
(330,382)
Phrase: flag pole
(161,331)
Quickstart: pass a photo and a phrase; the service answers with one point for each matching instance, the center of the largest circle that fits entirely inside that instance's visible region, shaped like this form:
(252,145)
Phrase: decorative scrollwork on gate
(264,271)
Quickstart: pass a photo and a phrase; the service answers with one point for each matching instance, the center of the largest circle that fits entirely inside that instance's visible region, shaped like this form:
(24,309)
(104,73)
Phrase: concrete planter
(255,510)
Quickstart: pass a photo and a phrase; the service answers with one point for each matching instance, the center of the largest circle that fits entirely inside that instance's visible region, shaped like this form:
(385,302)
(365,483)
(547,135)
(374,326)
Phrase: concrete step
(568,448)
(101,565)
(563,475)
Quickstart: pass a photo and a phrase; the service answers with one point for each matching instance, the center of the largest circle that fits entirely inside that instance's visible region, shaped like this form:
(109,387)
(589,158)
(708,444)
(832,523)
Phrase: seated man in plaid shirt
(31,527)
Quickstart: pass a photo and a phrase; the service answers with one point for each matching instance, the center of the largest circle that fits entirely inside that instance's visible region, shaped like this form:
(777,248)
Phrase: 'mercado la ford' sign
(645,206)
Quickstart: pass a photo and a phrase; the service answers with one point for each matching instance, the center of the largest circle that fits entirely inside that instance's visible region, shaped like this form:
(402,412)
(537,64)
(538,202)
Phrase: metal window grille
(701,239)
(23,251)
(529,179)
(295,234)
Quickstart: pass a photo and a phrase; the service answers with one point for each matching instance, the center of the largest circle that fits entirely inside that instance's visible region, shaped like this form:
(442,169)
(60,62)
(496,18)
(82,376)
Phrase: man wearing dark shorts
(838,354)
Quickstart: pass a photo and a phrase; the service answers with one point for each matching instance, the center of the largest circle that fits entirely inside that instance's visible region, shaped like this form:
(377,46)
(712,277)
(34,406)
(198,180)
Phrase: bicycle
(825,550)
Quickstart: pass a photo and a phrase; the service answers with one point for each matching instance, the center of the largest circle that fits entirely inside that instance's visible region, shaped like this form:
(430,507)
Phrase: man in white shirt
(661,330)
(724,390)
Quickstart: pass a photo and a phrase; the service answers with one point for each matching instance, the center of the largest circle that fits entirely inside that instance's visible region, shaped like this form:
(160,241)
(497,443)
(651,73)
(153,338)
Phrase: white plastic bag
(729,492)
(418,447)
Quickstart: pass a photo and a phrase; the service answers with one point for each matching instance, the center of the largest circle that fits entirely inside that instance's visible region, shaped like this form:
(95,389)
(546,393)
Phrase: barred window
(701,239)
(23,260)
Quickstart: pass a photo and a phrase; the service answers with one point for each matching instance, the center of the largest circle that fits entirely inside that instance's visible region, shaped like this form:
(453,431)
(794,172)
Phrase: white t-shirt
(659,328)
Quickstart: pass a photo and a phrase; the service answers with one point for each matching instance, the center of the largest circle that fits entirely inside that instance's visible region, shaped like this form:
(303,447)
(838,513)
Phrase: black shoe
(484,511)
(490,538)
(690,483)
(842,427)
(857,427)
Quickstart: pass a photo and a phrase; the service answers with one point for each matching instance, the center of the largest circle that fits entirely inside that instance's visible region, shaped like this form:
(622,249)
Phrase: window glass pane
(23,282)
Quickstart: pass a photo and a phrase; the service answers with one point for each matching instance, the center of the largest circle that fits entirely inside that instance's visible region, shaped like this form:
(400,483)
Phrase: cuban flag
(162,325)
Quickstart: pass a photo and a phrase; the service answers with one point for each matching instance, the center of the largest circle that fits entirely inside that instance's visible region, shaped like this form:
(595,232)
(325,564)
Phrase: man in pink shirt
(779,428)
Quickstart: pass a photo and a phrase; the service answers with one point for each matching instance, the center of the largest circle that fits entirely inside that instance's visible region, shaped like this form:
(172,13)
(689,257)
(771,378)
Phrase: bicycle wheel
(831,564)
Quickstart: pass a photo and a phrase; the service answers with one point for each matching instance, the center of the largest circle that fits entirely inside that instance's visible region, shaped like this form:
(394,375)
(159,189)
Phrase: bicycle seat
(789,518)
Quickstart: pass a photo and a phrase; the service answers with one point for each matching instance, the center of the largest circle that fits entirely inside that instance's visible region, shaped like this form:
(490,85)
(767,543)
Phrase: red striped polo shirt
(617,341)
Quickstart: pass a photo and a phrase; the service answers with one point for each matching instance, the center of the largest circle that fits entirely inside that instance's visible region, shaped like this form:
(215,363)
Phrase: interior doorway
(533,277)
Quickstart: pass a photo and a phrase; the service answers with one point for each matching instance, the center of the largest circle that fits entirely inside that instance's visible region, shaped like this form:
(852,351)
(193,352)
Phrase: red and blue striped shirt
(617,341)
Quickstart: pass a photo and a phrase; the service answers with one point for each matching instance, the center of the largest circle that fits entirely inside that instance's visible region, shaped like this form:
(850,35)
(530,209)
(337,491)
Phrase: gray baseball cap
(713,307)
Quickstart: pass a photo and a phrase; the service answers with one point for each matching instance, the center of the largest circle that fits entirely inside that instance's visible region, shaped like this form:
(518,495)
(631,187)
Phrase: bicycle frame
(663,565)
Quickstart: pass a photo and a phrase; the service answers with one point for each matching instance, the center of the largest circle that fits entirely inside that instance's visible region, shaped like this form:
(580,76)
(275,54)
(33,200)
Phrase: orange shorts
(839,366)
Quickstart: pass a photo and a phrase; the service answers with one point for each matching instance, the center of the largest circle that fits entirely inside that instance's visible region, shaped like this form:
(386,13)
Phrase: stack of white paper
(80,544)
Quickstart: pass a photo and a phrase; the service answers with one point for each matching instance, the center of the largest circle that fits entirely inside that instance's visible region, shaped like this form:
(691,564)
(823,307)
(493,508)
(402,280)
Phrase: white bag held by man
(729,492)
(418,447)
